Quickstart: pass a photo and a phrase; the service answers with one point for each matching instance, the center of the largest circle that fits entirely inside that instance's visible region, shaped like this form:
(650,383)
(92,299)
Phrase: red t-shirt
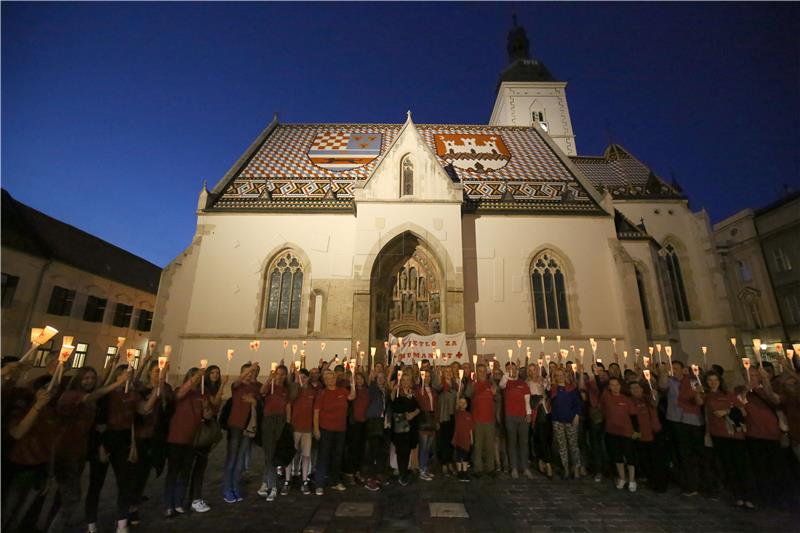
(275,400)
(146,425)
(303,410)
(332,407)
(240,409)
(77,419)
(463,431)
(360,404)
(187,418)
(35,446)
(426,399)
(647,416)
(483,403)
(687,398)
(761,420)
(514,397)
(617,411)
(122,408)
(719,401)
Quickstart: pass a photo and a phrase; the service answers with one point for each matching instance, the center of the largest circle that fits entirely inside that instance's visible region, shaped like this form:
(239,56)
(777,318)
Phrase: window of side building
(9,288)
(95,309)
(145,320)
(122,315)
(61,300)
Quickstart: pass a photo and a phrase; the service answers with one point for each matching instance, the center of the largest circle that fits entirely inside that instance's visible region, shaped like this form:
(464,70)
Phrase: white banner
(453,348)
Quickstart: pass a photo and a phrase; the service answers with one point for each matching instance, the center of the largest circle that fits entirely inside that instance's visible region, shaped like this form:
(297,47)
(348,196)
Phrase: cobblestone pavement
(537,505)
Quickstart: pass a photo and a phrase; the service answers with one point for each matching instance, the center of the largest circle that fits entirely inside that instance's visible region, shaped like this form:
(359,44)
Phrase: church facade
(345,233)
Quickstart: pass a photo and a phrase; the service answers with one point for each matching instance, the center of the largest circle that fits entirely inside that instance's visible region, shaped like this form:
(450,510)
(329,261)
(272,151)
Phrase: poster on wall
(452,348)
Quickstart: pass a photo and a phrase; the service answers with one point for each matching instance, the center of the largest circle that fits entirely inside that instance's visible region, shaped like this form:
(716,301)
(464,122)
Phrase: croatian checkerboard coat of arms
(338,151)
(476,152)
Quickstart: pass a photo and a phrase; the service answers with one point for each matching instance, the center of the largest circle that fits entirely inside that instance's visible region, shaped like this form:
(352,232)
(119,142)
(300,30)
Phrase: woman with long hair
(377,452)
(617,411)
(76,412)
(724,417)
(405,432)
(182,430)
(446,387)
(541,423)
(565,400)
(355,439)
(426,398)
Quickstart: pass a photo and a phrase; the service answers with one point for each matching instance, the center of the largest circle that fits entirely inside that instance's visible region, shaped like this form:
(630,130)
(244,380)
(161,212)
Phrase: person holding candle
(724,413)
(501,461)
(76,409)
(651,459)
(276,410)
(541,422)
(121,409)
(376,453)
(150,433)
(595,430)
(445,386)
(405,427)
(33,425)
(301,417)
(762,437)
(244,399)
(619,412)
(565,400)
(355,440)
(183,427)
(481,393)
(684,413)
(330,424)
(463,439)
(517,413)
(426,398)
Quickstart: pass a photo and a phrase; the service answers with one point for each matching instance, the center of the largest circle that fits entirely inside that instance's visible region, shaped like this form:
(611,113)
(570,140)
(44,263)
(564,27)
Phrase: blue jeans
(238,445)
(329,457)
(426,440)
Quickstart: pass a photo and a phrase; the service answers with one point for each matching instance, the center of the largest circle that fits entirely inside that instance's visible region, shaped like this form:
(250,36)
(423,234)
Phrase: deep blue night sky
(114,114)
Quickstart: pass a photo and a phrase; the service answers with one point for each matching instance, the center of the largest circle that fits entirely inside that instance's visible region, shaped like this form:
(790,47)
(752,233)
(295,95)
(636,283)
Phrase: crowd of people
(340,426)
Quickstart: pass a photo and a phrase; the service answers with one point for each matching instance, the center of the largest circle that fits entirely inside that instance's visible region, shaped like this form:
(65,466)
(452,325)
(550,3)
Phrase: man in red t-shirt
(517,410)
(482,392)
(330,423)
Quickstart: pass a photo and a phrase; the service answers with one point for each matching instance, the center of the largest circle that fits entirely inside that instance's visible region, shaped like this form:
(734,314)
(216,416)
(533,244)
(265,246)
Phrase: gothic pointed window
(285,286)
(676,283)
(643,298)
(549,286)
(407,170)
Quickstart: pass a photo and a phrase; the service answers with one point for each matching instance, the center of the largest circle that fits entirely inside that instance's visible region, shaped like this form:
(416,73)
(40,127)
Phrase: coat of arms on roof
(338,151)
(473,152)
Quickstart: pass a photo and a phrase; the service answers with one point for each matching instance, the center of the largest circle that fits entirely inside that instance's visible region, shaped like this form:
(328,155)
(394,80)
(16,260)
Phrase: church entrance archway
(406,290)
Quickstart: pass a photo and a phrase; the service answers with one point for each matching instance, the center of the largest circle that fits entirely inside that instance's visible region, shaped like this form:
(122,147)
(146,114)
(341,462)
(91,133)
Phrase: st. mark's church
(345,233)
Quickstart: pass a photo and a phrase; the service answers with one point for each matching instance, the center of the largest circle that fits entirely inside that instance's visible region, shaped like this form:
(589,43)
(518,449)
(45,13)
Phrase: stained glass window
(676,284)
(549,287)
(285,286)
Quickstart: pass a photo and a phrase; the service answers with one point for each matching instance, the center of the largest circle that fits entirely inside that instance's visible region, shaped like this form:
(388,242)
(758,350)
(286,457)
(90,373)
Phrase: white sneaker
(632,486)
(180,510)
(92,527)
(200,506)
(122,526)
(620,484)
(273,494)
(263,490)
(598,478)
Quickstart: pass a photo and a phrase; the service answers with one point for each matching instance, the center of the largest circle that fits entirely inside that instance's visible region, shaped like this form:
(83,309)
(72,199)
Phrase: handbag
(252,423)
(208,434)
(401,424)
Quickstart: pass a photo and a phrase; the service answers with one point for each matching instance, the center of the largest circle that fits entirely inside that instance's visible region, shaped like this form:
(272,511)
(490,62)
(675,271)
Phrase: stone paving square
(448,510)
(354,509)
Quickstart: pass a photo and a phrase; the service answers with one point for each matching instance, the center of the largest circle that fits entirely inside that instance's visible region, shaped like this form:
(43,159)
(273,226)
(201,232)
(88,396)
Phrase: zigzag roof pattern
(279,174)
(624,176)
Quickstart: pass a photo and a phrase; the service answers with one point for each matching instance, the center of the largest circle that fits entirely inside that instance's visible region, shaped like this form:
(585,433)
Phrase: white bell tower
(528,95)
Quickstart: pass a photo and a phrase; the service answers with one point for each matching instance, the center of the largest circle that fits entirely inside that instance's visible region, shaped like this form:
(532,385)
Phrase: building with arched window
(346,233)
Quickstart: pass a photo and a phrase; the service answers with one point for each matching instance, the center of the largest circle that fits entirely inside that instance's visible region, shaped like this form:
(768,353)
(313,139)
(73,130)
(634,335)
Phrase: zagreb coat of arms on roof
(338,151)
(473,151)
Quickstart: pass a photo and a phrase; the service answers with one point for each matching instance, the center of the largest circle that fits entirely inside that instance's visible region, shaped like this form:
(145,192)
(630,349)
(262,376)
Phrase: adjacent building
(346,233)
(56,274)
(761,258)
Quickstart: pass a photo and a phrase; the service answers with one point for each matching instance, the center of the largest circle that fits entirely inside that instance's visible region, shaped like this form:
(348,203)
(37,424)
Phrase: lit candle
(438,353)
(419,365)
(528,354)
(581,352)
(593,344)
(696,372)
(757,349)
(151,347)
(746,365)
(541,339)
(321,347)
(256,345)
(475,360)
(668,350)
(131,357)
(510,354)
(599,361)
(625,358)
(373,350)
(167,350)
(294,351)
(614,344)
(360,358)
(162,364)
(228,364)
(704,349)
(63,357)
(558,340)
(574,367)
(483,342)
(297,366)
(636,353)
(285,345)
(491,366)
(646,361)
(203,365)
(272,367)
(658,349)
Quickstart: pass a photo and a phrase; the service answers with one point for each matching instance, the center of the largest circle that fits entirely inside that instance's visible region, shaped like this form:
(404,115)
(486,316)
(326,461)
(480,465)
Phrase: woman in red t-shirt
(182,431)
(426,398)
(463,439)
(617,412)
(330,424)
(724,413)
(244,394)
(651,459)
(301,417)
(355,438)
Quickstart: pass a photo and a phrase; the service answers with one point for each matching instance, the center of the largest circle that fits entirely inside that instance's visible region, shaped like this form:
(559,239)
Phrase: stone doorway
(406,290)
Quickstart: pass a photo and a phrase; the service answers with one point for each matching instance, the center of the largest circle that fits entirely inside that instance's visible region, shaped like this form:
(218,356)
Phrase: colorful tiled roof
(624,176)
(282,169)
